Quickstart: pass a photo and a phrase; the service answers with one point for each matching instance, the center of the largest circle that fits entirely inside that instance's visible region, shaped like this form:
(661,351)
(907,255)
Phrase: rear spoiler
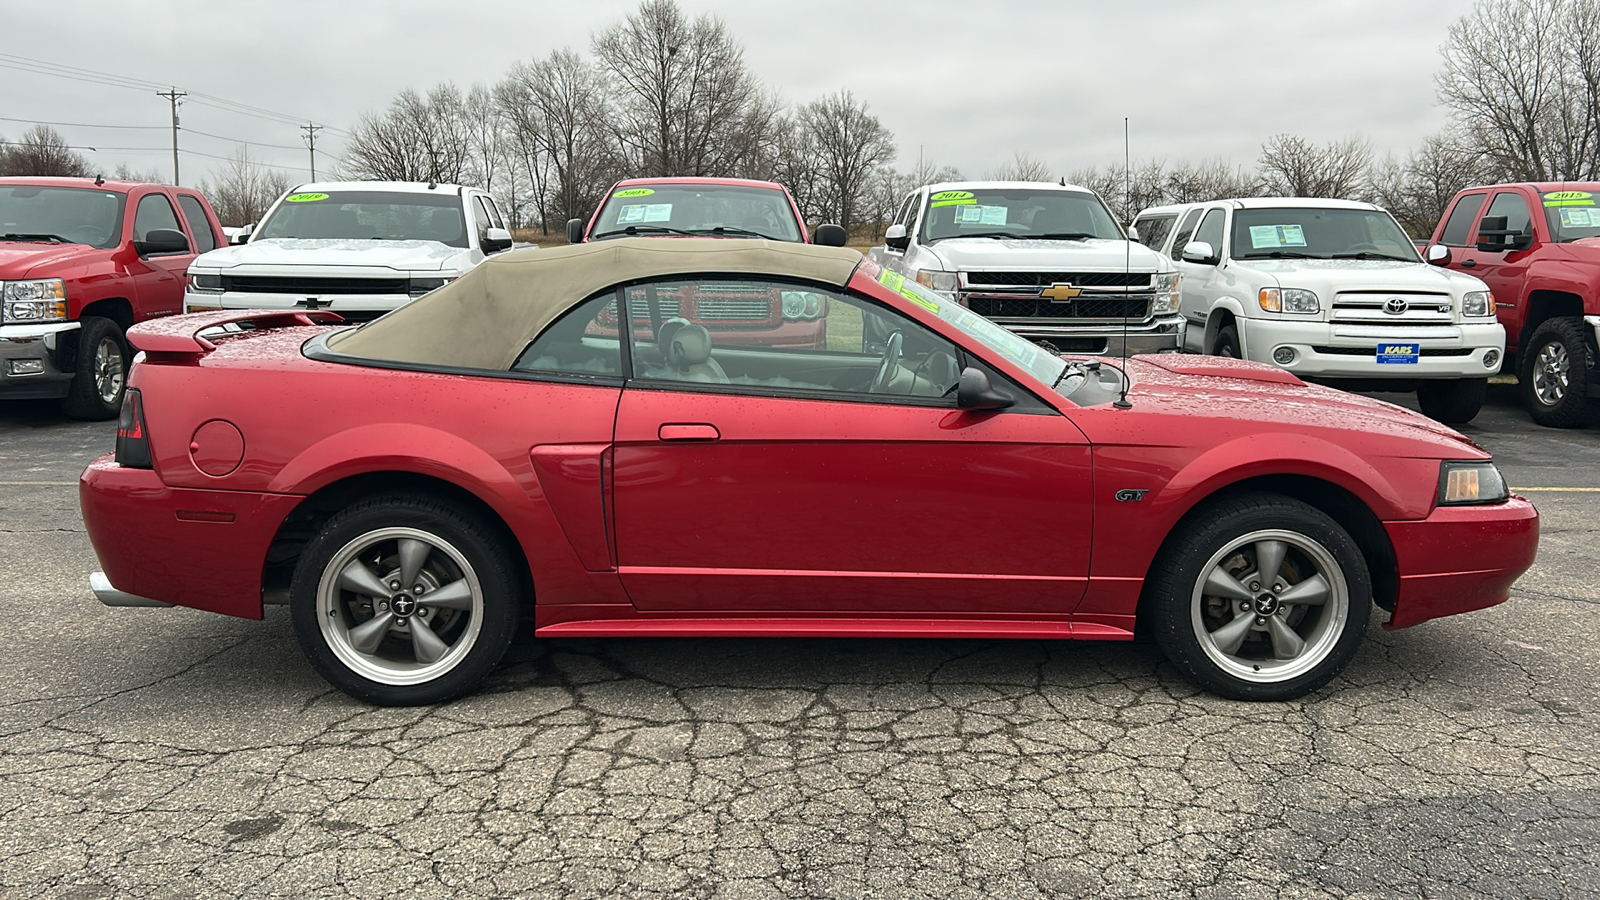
(179,336)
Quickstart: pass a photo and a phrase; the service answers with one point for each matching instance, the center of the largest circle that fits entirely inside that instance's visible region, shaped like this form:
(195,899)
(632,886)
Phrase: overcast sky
(965,83)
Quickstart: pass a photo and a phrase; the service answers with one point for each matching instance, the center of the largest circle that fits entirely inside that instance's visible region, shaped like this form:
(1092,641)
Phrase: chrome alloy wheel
(1551,373)
(108,369)
(400,606)
(1270,606)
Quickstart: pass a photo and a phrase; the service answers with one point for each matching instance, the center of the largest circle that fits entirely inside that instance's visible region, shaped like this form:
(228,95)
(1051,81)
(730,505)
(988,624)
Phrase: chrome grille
(1083,307)
(1369,308)
(734,309)
(1045,279)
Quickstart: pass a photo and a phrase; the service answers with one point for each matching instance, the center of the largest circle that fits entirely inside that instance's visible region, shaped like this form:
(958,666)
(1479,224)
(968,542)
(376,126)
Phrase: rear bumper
(1461,558)
(154,551)
(30,362)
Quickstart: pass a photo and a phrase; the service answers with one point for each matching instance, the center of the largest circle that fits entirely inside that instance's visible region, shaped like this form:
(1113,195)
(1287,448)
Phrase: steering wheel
(889,365)
(93,235)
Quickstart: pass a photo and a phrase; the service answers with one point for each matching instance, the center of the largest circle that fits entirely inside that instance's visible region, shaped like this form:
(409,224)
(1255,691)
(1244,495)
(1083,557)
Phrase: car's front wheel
(402,600)
(1260,597)
(1453,402)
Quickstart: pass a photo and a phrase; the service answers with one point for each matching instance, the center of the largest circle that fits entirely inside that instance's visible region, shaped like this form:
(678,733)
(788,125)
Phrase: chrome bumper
(1162,335)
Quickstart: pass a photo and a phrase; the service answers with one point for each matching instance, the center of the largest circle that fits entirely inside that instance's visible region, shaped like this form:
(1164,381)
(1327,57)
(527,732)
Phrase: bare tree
(1208,180)
(553,107)
(244,189)
(1021,167)
(41,151)
(417,139)
(1418,189)
(851,146)
(125,172)
(1293,167)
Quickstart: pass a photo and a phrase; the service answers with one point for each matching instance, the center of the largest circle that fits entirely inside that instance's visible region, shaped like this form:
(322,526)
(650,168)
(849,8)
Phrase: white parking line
(37,483)
(1558,490)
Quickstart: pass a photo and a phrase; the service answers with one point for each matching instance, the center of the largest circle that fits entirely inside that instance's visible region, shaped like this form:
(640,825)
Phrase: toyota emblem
(1395,306)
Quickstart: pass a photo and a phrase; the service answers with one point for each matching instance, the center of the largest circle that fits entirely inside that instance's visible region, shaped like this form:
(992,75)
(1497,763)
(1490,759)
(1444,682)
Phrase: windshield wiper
(641,229)
(1281,254)
(1074,365)
(1063,236)
(1368,254)
(34,236)
(997,235)
(724,229)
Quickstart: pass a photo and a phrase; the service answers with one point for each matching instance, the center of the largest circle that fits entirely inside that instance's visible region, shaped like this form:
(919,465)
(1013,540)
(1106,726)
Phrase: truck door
(1505,271)
(158,278)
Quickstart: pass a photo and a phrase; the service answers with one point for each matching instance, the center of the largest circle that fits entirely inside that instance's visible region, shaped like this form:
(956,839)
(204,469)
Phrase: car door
(751,477)
(1505,271)
(159,278)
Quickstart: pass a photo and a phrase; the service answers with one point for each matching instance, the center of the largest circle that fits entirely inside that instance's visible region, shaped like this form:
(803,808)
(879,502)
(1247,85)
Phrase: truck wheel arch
(1226,311)
(1543,304)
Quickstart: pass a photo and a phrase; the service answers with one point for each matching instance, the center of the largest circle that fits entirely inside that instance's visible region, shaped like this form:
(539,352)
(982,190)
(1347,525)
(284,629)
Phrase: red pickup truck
(81,261)
(1537,245)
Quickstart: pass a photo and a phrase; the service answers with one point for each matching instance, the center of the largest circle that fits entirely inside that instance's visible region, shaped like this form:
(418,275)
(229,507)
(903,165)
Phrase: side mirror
(1493,236)
(1438,255)
(574,231)
(495,240)
(896,237)
(830,235)
(161,240)
(242,236)
(1133,234)
(975,392)
(1200,252)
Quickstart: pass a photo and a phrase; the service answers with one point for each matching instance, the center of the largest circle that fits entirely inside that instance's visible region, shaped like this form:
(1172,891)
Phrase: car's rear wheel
(402,600)
(1553,375)
(1453,402)
(1261,597)
(95,391)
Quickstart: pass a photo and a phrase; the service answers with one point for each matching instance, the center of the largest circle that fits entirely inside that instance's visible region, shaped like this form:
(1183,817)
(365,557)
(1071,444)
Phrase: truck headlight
(205,284)
(40,300)
(420,286)
(802,305)
(1469,483)
(943,282)
(1290,300)
(1167,295)
(1477,303)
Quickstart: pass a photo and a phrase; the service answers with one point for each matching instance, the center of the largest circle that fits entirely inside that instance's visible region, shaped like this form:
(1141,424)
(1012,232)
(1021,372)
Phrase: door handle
(1469,264)
(688,431)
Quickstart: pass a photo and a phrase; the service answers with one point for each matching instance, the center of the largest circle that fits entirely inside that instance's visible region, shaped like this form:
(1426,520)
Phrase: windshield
(1572,215)
(368,215)
(1039,363)
(64,215)
(1312,233)
(1018,213)
(698,209)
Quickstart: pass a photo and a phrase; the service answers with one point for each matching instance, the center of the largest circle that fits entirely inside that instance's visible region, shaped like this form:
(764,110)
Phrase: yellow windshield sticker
(952,198)
(305,198)
(1569,198)
(921,301)
(896,282)
(634,192)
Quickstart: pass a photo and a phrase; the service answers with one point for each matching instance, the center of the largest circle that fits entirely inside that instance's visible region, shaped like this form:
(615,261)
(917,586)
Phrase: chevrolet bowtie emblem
(1060,293)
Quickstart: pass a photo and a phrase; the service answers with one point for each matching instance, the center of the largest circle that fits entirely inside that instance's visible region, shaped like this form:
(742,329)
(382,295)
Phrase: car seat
(689,354)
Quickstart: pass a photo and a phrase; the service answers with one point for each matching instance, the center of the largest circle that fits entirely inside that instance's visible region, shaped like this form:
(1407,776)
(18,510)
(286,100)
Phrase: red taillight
(133,446)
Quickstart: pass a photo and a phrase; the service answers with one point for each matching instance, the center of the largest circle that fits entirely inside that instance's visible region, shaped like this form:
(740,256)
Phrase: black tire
(385,664)
(1227,342)
(101,375)
(1453,402)
(1231,536)
(1553,374)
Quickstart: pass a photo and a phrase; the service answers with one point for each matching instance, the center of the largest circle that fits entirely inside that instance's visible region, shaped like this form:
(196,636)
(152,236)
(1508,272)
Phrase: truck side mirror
(975,392)
(1493,236)
(830,235)
(896,238)
(495,240)
(161,240)
(1200,252)
(1438,255)
(1133,234)
(242,236)
(574,231)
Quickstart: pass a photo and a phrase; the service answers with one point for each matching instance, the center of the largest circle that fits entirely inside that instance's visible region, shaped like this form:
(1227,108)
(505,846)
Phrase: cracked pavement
(171,753)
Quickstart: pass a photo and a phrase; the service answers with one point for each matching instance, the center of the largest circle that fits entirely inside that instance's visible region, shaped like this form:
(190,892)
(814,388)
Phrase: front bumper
(1432,555)
(1333,350)
(30,364)
(1160,335)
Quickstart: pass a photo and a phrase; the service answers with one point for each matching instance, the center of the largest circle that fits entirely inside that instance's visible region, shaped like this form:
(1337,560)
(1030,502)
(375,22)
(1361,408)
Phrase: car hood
(960,254)
(410,256)
(1323,275)
(19,258)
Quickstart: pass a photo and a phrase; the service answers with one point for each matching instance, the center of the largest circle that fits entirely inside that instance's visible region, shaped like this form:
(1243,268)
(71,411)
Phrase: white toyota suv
(358,248)
(1333,291)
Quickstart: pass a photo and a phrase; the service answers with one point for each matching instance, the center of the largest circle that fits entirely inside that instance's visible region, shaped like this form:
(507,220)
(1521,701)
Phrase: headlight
(1167,293)
(943,282)
(1289,300)
(205,284)
(1477,303)
(44,300)
(802,305)
(1463,483)
(420,286)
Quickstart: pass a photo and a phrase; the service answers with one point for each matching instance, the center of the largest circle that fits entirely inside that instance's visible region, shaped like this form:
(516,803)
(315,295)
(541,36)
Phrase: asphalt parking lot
(170,753)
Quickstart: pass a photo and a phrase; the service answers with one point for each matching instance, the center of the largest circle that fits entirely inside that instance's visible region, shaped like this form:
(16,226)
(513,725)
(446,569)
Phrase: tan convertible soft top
(483,319)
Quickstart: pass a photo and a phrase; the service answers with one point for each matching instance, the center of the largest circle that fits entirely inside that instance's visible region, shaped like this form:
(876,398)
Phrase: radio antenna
(1127,263)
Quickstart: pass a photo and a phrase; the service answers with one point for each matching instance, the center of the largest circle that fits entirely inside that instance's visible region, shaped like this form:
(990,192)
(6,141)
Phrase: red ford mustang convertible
(502,451)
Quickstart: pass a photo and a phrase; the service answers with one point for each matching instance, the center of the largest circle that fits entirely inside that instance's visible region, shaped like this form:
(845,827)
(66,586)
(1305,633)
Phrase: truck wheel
(1261,597)
(1453,402)
(1553,374)
(1227,343)
(101,373)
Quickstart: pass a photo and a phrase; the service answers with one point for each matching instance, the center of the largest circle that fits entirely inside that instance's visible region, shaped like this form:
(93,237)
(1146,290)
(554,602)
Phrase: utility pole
(172,97)
(311,141)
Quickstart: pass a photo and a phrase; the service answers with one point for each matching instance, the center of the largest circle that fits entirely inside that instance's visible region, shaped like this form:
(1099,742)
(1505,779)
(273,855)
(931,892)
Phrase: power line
(83,124)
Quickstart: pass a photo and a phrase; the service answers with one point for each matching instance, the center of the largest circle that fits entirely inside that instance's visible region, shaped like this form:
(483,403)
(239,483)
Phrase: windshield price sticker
(896,282)
(634,192)
(1399,354)
(645,212)
(1263,237)
(311,197)
(1569,198)
(951,198)
(982,215)
(1579,218)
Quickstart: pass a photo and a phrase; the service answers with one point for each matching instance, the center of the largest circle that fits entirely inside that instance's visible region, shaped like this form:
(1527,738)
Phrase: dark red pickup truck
(1538,247)
(81,261)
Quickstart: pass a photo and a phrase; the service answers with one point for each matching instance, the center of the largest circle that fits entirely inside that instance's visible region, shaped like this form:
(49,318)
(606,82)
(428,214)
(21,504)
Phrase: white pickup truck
(1047,261)
(358,248)
(1333,291)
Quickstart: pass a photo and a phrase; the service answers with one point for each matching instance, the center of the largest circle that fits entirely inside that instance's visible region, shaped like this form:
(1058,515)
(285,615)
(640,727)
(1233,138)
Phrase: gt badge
(1131,495)
(1060,293)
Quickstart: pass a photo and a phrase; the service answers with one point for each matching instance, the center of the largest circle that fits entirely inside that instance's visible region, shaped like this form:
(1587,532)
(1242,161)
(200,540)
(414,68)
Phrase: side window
(495,218)
(776,336)
(481,214)
(1462,218)
(1211,230)
(199,225)
(1515,208)
(1153,230)
(154,212)
(582,343)
(1185,232)
(908,212)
